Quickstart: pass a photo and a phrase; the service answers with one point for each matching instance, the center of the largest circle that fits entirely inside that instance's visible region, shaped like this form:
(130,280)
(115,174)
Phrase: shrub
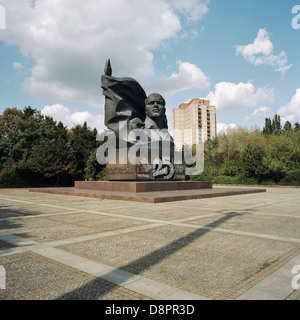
(229,168)
(292,177)
(10,177)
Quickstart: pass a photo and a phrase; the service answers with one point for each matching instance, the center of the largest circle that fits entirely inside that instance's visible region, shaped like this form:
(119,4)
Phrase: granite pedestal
(147,191)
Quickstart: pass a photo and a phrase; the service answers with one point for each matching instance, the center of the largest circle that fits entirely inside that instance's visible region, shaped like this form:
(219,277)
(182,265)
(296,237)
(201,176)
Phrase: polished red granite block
(137,186)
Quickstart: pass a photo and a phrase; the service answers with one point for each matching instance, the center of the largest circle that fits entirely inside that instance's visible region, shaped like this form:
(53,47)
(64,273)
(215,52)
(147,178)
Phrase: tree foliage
(36,150)
(270,156)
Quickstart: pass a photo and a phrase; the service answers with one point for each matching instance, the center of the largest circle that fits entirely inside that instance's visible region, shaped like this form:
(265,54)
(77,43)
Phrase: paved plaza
(242,247)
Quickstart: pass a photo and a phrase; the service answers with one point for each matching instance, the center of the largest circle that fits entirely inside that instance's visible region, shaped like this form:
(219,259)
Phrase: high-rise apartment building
(194,122)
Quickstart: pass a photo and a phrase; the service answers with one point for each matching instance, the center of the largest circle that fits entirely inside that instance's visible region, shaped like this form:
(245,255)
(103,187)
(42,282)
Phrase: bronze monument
(140,126)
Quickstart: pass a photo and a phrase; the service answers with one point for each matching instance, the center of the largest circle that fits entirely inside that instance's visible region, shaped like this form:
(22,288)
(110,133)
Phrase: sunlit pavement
(67,247)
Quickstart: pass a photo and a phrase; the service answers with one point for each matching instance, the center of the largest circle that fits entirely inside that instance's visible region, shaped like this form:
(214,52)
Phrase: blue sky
(241,55)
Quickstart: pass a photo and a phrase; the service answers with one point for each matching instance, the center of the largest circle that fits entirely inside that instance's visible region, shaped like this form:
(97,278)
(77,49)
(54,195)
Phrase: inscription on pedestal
(144,172)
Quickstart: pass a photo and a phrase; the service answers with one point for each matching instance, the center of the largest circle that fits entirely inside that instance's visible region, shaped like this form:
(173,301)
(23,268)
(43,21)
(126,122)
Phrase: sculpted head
(155,106)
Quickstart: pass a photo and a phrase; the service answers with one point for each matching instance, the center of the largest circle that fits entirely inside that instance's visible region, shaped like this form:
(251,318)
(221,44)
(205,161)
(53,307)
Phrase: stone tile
(151,288)
(295,295)
(6,245)
(30,277)
(92,267)
(265,224)
(282,209)
(19,210)
(259,295)
(205,263)
(159,213)
(45,229)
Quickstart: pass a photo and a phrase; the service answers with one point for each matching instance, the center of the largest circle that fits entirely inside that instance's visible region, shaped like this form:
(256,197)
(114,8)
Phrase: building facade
(194,122)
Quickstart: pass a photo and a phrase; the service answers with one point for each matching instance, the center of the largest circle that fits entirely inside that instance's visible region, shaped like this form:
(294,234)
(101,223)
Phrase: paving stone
(118,256)
(31,277)
(265,224)
(66,226)
(5,245)
(295,295)
(206,263)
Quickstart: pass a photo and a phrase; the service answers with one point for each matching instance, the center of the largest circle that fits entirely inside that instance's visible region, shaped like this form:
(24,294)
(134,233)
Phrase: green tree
(51,158)
(229,168)
(268,129)
(29,112)
(243,156)
(276,125)
(82,141)
(9,120)
(287,127)
(37,151)
(210,146)
(252,162)
(93,170)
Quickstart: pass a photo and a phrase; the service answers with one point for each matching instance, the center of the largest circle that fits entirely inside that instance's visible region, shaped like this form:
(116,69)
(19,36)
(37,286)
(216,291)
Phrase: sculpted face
(155,106)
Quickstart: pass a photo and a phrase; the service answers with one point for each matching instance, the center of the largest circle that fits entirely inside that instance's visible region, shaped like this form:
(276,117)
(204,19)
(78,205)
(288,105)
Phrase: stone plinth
(139,186)
(148,192)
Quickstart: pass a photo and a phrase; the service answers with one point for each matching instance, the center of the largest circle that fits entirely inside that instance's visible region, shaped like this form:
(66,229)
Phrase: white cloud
(291,111)
(258,113)
(225,128)
(229,96)
(189,76)
(61,113)
(70,41)
(193,9)
(17,66)
(261,51)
